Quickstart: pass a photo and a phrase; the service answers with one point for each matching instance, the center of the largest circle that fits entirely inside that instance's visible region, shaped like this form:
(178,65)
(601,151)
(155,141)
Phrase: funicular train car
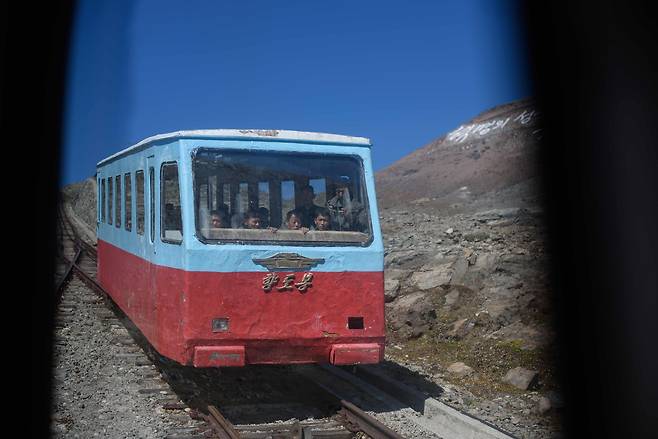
(208,285)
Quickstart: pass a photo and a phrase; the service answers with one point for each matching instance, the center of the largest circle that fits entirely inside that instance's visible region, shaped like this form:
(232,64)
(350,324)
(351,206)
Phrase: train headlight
(220,324)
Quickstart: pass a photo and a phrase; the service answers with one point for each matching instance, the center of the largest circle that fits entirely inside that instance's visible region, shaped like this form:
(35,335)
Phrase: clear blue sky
(400,73)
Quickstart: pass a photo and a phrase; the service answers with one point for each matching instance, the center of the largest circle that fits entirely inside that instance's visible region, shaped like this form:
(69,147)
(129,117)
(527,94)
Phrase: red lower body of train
(175,309)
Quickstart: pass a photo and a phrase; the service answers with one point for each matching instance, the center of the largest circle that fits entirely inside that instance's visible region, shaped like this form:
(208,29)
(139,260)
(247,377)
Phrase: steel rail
(76,237)
(67,274)
(67,233)
(221,426)
(87,247)
(88,280)
(366,423)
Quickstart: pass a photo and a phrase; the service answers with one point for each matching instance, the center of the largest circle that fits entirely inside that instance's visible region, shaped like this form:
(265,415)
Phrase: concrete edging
(440,418)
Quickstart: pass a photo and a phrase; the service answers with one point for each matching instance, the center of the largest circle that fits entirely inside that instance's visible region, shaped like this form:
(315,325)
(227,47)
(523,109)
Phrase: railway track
(349,422)
(73,255)
(67,253)
(311,411)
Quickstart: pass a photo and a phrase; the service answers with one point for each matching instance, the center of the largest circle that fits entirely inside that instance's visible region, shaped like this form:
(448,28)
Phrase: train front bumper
(280,353)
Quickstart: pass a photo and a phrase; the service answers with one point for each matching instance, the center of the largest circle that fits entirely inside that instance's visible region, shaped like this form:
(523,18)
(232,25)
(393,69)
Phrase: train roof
(279,135)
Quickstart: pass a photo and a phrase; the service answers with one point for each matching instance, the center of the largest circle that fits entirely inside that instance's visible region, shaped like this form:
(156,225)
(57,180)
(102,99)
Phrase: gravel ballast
(97,381)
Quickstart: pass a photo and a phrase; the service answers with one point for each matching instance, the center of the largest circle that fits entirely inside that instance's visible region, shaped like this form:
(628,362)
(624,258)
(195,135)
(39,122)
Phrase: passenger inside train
(294,221)
(251,220)
(264,217)
(306,206)
(322,220)
(346,214)
(219,219)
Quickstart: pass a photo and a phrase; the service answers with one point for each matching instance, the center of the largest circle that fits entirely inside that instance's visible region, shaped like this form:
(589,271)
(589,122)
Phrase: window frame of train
(165,217)
(140,202)
(127,201)
(103,200)
(110,195)
(282,237)
(152,217)
(117,201)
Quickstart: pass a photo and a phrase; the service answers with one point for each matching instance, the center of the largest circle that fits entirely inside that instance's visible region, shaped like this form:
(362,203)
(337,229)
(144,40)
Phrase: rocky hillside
(467,289)
(462,218)
(489,161)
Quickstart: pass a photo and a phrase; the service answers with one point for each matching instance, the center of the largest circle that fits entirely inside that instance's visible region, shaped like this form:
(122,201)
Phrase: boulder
(411,315)
(486,262)
(552,401)
(460,268)
(543,405)
(460,370)
(436,277)
(396,273)
(452,297)
(521,378)
(495,214)
(391,289)
(476,236)
(400,257)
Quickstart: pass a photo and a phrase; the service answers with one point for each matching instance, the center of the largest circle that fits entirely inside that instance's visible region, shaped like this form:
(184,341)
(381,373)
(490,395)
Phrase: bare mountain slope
(490,158)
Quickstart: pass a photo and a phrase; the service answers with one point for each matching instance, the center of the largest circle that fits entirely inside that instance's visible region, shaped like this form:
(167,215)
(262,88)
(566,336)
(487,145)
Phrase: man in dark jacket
(346,213)
(306,206)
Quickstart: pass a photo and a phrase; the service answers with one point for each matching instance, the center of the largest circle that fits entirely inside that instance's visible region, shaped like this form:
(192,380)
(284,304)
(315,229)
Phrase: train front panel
(283,257)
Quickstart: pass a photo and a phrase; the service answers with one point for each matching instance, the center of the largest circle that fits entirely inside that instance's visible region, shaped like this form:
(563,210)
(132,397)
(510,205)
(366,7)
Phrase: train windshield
(280,198)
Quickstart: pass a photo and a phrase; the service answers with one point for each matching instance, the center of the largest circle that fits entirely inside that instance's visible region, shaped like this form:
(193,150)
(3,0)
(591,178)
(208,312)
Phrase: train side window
(103,199)
(98,200)
(152,202)
(110,195)
(117,216)
(128,199)
(139,201)
(171,224)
